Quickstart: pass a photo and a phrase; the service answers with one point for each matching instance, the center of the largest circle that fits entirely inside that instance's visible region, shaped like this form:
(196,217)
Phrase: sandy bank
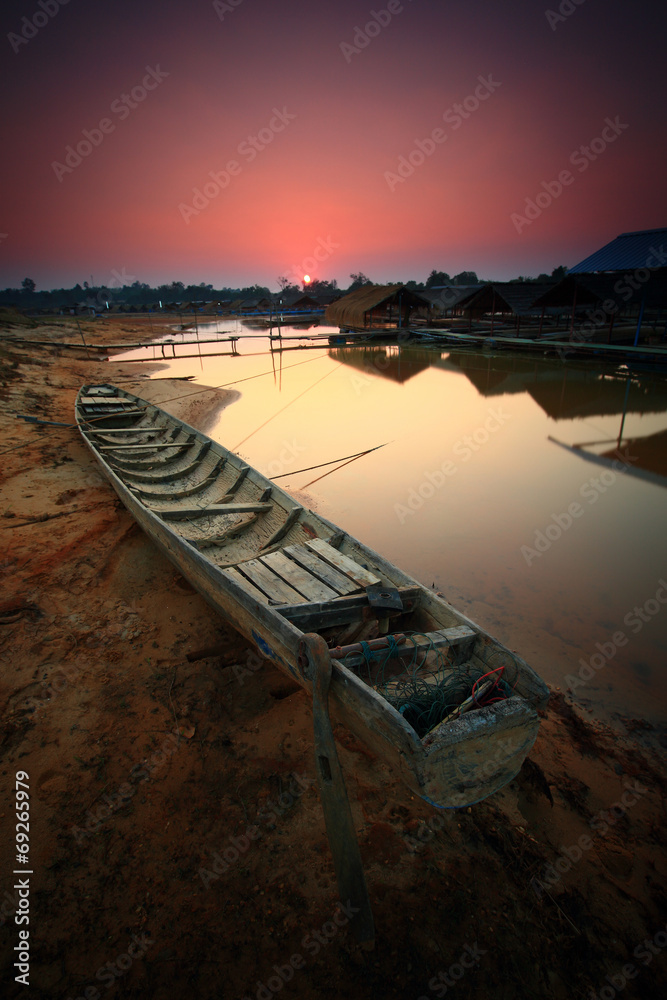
(146,772)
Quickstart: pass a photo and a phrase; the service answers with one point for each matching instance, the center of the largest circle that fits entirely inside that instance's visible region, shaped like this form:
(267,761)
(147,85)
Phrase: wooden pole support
(316,663)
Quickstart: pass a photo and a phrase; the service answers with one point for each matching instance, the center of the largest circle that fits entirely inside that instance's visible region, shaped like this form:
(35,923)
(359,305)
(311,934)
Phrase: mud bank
(147,771)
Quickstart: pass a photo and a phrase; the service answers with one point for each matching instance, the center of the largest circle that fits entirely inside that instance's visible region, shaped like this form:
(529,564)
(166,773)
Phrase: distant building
(262,304)
(646,248)
(296,300)
(448,300)
(511,301)
(612,306)
(616,291)
(375,307)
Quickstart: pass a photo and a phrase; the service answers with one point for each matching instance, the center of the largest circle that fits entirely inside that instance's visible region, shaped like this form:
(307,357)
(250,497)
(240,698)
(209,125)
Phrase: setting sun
(306,279)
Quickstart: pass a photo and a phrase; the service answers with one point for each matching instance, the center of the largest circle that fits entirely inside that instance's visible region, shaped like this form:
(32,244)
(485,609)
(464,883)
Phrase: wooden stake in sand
(315,661)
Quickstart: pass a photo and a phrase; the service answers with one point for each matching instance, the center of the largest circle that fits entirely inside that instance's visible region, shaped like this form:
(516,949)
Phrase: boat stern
(478,754)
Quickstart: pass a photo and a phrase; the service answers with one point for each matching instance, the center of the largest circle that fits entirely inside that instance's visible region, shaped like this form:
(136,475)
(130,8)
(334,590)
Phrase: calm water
(550,550)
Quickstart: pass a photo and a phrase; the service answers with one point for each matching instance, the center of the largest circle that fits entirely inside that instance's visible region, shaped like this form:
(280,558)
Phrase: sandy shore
(176,839)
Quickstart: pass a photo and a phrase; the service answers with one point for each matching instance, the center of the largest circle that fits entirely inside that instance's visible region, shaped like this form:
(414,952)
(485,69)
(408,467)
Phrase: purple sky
(333,149)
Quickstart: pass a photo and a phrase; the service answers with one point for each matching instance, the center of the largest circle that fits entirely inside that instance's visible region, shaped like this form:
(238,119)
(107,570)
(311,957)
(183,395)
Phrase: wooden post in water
(82,337)
(639,320)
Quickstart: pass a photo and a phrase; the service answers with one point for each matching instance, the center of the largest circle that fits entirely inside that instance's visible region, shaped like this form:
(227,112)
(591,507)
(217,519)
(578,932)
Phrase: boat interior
(395,634)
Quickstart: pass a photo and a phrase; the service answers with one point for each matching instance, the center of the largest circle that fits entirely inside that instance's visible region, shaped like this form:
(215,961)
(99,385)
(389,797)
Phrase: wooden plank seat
(105,401)
(304,582)
(146,446)
(246,585)
(93,412)
(339,582)
(104,436)
(101,389)
(104,413)
(170,493)
(308,577)
(264,578)
(339,561)
(183,513)
(131,429)
(314,615)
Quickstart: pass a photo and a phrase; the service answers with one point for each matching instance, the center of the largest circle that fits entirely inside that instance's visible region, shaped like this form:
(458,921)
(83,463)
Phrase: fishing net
(424,685)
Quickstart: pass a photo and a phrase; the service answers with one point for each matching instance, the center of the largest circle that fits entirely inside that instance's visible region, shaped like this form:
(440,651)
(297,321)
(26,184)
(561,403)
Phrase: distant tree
(465,278)
(283,282)
(28,285)
(414,286)
(358,280)
(436,278)
(559,272)
(320,285)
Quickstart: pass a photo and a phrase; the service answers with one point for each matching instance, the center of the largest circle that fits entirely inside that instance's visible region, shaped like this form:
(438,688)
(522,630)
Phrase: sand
(176,837)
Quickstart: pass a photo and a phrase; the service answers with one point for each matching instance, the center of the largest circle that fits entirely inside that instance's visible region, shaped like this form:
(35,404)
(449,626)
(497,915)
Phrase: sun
(307,279)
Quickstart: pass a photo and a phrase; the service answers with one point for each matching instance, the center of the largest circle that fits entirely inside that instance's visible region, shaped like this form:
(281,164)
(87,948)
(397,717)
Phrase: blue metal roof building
(646,248)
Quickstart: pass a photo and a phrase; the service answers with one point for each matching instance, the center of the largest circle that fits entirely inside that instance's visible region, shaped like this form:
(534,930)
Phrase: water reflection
(470,479)
(393,361)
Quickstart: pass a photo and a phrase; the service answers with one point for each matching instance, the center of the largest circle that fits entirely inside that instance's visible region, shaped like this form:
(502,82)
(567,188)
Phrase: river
(478,490)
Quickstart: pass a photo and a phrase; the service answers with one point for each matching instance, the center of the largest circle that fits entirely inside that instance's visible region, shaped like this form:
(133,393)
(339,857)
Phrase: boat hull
(455,764)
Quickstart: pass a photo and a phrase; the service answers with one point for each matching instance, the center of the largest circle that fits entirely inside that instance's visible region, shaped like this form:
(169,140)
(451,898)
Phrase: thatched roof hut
(374,306)
(297,300)
(256,305)
(446,299)
(516,298)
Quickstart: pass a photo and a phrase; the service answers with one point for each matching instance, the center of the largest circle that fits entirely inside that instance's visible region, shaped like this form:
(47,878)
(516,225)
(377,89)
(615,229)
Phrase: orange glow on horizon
(183,184)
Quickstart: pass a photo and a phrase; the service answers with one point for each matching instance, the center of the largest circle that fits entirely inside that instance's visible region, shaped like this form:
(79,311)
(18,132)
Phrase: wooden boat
(275,570)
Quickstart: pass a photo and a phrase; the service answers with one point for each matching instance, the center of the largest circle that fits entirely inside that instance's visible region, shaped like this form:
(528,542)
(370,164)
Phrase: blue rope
(424,696)
(369,656)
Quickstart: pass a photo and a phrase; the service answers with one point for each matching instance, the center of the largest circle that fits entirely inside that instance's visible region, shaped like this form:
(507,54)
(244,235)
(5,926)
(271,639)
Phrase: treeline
(437,278)
(140,295)
(137,294)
